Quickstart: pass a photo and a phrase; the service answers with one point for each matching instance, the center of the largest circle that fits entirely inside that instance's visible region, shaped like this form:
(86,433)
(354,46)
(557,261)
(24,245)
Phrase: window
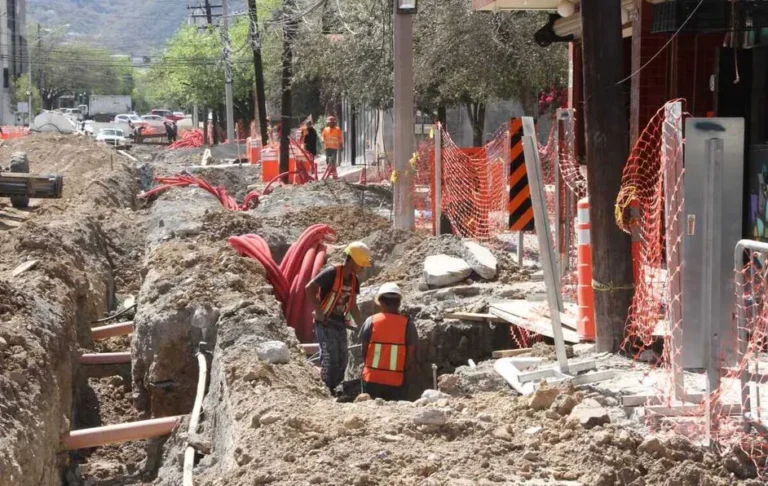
(6,78)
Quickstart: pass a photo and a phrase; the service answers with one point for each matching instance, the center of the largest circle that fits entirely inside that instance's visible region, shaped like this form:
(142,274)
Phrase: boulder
(481,260)
(274,352)
(430,416)
(443,270)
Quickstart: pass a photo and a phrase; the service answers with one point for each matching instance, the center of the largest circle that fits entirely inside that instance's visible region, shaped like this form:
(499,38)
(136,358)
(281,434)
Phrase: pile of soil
(491,438)
(350,222)
(289,198)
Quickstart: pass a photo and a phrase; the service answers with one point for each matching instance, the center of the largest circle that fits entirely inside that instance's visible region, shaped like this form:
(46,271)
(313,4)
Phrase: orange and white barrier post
(585,294)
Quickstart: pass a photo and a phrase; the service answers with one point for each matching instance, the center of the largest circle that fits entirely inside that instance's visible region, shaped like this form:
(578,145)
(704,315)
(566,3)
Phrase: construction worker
(333,296)
(332,140)
(309,137)
(388,343)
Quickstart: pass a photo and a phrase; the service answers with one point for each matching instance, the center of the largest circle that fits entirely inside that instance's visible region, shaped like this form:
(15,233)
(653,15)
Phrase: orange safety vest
(385,359)
(332,137)
(328,303)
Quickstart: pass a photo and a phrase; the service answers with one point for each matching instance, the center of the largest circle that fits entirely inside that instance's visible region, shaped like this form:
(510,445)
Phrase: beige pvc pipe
(111,434)
(189,453)
(105,358)
(310,349)
(112,330)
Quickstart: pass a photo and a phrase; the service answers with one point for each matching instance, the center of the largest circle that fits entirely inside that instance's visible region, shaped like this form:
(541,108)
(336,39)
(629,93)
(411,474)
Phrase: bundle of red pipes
(301,263)
(191,139)
(220,193)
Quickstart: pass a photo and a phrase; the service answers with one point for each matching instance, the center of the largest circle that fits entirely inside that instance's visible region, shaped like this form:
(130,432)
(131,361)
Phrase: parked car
(179,114)
(167,114)
(152,118)
(125,118)
(114,137)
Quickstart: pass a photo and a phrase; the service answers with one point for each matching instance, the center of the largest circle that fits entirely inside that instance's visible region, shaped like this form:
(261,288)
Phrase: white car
(125,118)
(113,136)
(179,114)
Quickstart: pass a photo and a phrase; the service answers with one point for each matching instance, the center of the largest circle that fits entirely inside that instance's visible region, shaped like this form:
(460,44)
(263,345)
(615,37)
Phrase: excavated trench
(193,293)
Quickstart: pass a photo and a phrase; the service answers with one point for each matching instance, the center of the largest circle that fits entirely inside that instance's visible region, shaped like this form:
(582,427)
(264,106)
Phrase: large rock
(481,260)
(430,416)
(274,352)
(589,414)
(442,270)
(543,397)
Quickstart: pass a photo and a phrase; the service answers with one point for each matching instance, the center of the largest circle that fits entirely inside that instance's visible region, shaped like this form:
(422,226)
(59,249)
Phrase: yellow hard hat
(359,253)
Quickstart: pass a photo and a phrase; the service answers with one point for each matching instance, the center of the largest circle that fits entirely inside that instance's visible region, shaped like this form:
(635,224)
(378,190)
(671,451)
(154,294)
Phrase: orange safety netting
(474,184)
(653,183)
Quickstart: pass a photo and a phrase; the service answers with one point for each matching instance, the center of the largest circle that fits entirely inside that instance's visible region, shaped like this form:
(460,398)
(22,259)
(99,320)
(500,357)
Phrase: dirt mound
(489,439)
(350,222)
(220,224)
(317,194)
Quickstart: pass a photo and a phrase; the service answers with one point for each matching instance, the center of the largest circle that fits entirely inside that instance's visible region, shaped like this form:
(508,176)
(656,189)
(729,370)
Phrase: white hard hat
(390,288)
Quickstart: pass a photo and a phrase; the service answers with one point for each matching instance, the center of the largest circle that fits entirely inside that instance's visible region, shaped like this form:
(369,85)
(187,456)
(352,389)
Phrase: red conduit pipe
(105,358)
(112,330)
(112,434)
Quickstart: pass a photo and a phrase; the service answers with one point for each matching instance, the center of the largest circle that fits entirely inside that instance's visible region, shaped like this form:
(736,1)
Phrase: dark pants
(376,390)
(334,354)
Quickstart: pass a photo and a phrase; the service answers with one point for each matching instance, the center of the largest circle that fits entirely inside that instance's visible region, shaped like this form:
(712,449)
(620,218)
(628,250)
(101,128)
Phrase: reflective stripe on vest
(332,297)
(385,358)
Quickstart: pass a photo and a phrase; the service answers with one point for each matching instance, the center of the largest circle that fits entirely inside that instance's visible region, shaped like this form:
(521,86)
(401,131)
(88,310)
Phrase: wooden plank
(691,410)
(540,326)
(531,310)
(510,353)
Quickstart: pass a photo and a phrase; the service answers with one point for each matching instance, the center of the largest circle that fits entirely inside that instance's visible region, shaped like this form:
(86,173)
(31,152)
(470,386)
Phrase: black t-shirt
(310,141)
(324,281)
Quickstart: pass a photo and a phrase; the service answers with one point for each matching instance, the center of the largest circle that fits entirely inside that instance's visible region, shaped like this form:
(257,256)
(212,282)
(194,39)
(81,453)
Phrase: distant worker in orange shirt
(332,140)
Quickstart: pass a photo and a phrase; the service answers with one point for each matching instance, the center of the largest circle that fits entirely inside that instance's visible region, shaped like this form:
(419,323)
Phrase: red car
(166,114)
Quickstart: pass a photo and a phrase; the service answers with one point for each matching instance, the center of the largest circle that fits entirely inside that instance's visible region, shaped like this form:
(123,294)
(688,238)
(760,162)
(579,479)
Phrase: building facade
(13,53)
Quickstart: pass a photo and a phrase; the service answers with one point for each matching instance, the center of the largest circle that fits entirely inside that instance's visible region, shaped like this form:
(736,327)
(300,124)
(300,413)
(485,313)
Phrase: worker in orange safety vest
(388,346)
(333,142)
(333,297)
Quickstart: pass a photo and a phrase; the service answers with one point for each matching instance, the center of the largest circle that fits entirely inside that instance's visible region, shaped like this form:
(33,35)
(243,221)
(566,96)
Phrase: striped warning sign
(519,206)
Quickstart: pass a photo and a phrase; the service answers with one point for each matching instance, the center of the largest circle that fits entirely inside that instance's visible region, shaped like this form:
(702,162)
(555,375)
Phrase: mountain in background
(125,26)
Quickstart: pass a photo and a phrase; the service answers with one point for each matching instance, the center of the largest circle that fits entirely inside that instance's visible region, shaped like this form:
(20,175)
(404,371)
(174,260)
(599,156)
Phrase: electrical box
(712,225)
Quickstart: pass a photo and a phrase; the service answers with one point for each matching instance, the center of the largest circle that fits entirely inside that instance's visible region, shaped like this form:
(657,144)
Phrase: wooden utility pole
(286,108)
(261,103)
(607,135)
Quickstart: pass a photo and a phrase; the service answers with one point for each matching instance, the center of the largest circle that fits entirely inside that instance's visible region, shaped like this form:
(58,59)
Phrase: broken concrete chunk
(430,416)
(430,396)
(443,270)
(564,404)
(543,397)
(589,414)
(481,260)
(275,352)
(363,397)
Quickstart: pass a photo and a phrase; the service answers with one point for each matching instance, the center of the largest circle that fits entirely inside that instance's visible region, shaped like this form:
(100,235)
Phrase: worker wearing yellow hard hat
(333,296)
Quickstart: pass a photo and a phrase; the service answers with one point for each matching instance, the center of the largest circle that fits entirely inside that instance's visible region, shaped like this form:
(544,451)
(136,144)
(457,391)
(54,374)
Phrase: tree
(61,68)
(607,136)
(19,92)
(462,57)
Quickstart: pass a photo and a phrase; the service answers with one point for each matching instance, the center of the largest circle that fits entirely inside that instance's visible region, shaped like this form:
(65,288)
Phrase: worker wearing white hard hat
(333,296)
(388,346)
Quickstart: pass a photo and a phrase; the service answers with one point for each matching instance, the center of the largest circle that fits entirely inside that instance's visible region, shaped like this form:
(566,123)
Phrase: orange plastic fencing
(10,132)
(474,185)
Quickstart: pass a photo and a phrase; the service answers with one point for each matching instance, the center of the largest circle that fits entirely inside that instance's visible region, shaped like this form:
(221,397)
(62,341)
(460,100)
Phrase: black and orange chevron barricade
(519,207)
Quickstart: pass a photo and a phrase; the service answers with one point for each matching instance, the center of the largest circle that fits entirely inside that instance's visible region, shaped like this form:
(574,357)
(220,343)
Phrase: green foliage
(461,56)
(19,91)
(60,68)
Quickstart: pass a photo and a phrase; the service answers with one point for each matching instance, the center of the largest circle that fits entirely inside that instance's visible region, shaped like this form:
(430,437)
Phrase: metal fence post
(672,160)
(538,201)
(438,177)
